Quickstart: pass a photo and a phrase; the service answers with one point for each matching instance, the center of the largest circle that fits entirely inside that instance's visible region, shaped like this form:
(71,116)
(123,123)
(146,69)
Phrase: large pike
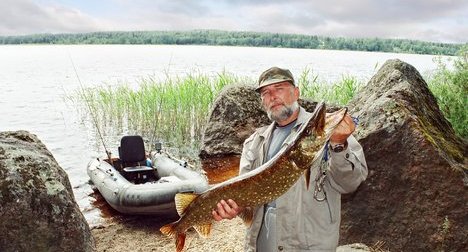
(261,185)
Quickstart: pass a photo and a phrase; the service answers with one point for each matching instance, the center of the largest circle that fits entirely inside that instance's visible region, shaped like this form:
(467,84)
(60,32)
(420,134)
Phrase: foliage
(173,111)
(450,87)
(228,38)
(339,93)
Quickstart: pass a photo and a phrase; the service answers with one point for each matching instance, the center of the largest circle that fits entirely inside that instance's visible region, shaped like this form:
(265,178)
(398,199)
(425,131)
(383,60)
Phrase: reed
(338,93)
(174,110)
(450,87)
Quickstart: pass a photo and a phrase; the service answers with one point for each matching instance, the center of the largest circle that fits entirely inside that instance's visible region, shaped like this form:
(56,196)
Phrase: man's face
(279,100)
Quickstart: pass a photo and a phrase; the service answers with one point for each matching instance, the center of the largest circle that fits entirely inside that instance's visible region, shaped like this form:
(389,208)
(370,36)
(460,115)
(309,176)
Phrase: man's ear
(297,93)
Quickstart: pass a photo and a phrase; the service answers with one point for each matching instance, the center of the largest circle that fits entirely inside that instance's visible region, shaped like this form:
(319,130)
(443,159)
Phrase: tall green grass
(174,110)
(450,87)
(338,93)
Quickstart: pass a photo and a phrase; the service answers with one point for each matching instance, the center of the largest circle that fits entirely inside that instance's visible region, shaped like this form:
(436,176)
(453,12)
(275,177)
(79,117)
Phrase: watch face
(338,148)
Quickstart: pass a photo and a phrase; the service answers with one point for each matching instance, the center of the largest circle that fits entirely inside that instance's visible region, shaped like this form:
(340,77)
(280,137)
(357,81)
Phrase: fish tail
(170,230)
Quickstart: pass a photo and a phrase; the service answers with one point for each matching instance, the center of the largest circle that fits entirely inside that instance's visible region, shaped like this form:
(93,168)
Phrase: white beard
(284,113)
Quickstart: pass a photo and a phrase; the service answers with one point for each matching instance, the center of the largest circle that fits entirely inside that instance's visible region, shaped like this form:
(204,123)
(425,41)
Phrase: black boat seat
(133,161)
(132,151)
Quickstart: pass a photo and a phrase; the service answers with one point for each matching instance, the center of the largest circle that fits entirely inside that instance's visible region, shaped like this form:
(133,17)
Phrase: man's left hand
(343,130)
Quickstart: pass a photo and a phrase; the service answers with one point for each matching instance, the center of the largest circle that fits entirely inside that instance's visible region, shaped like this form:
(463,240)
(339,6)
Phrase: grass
(450,87)
(174,111)
(171,111)
(339,93)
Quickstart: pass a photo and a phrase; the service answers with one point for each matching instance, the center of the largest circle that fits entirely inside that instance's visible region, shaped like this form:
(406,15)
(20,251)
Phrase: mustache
(276,104)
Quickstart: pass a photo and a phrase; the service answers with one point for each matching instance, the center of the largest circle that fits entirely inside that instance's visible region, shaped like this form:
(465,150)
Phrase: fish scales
(260,186)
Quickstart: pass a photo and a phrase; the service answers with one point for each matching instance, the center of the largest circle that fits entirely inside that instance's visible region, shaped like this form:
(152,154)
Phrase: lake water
(36,79)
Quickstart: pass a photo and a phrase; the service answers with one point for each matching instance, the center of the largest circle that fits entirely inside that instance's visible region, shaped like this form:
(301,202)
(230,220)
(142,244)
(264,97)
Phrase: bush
(450,87)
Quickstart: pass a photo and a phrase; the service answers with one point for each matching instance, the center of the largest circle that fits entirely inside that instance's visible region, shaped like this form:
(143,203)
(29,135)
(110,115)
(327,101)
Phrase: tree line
(230,38)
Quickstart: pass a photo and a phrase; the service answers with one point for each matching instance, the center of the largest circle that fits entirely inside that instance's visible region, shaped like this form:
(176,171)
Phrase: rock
(234,116)
(414,198)
(355,247)
(37,206)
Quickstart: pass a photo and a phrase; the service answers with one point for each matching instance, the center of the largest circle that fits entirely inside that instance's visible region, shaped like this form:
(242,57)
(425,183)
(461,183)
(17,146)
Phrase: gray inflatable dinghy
(134,185)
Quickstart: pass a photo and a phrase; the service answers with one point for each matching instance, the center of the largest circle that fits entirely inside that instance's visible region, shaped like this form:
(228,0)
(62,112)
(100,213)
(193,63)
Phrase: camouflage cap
(274,75)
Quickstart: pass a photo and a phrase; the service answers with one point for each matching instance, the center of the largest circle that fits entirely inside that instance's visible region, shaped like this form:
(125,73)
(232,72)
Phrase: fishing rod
(91,111)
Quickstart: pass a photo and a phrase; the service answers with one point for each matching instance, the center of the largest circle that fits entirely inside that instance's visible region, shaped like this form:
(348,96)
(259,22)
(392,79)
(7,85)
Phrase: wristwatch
(338,147)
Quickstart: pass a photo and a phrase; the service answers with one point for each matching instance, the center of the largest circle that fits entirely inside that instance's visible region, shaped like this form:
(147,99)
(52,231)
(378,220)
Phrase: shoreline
(141,233)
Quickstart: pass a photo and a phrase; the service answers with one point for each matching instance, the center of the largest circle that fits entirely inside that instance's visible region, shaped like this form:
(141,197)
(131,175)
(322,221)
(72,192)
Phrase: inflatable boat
(135,184)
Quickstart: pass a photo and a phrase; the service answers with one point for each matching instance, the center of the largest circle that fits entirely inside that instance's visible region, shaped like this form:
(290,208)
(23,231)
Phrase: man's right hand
(226,210)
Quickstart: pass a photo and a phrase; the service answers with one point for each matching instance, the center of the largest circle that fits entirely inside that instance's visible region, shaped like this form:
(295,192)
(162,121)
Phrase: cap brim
(272,81)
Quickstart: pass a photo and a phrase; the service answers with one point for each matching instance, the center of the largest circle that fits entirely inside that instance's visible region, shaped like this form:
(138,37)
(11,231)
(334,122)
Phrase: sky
(428,20)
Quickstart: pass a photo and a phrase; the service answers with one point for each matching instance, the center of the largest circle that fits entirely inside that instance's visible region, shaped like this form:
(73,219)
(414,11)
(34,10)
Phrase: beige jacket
(303,223)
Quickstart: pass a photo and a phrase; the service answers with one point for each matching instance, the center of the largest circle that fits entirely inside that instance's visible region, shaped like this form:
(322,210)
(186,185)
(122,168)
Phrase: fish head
(310,142)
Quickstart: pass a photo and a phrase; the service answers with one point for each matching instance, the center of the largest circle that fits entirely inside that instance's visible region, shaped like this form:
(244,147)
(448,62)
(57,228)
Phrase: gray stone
(414,198)
(235,114)
(38,211)
(355,247)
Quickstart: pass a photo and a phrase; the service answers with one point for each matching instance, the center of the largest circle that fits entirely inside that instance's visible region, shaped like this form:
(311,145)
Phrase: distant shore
(231,38)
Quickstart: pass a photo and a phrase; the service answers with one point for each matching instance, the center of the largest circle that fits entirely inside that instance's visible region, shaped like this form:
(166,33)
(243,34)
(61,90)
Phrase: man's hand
(226,210)
(343,130)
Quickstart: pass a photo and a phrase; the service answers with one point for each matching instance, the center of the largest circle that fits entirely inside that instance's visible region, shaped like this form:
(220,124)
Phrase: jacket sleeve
(348,168)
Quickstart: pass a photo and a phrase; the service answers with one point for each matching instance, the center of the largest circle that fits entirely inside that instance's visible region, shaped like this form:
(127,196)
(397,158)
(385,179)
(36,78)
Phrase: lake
(35,81)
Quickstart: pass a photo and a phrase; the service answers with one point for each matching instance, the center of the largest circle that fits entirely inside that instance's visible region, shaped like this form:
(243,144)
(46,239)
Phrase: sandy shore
(124,233)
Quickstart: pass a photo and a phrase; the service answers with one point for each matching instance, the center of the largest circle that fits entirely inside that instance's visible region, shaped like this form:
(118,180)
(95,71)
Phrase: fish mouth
(333,119)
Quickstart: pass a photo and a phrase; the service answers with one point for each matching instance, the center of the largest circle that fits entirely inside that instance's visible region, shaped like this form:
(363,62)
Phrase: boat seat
(133,161)
(132,151)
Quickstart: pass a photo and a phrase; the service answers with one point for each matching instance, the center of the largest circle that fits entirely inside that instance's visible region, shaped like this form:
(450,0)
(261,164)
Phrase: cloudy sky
(428,20)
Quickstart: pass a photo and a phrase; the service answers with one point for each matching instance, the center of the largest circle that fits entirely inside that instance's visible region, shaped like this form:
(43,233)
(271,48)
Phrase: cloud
(25,17)
(430,20)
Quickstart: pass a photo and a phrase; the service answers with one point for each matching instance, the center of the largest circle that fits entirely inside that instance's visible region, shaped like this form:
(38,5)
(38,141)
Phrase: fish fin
(247,216)
(307,178)
(180,242)
(203,230)
(168,230)
(183,200)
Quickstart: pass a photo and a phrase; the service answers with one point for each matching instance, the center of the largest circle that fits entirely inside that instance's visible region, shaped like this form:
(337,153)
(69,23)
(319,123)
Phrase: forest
(234,38)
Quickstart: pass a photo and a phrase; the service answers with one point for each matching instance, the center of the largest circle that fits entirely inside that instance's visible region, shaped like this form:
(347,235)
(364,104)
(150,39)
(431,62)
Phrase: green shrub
(450,87)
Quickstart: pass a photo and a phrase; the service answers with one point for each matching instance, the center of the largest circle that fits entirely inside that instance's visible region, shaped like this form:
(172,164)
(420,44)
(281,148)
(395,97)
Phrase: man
(300,219)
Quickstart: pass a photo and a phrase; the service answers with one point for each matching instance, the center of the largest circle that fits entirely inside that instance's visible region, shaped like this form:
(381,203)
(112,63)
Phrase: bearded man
(298,220)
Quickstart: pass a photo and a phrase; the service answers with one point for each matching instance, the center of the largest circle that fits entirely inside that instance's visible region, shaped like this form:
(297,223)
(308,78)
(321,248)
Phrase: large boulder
(234,116)
(414,198)
(38,211)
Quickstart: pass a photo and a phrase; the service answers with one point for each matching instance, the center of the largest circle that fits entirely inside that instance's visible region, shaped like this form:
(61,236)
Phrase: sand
(131,233)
